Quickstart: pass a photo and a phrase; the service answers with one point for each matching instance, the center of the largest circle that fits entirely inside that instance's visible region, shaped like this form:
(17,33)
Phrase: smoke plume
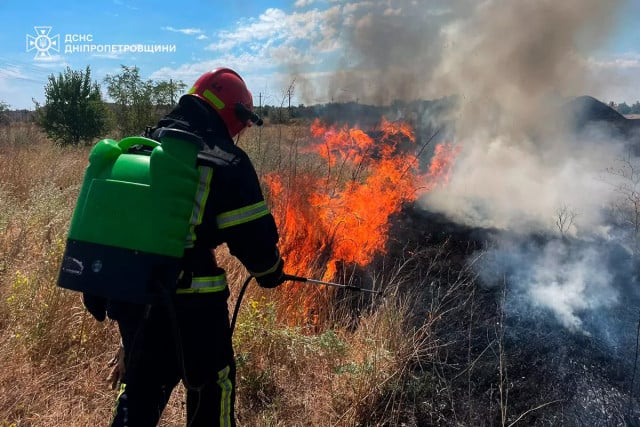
(521,168)
(512,66)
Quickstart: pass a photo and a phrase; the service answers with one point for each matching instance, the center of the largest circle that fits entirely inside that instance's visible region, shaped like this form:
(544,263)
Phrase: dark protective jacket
(229,206)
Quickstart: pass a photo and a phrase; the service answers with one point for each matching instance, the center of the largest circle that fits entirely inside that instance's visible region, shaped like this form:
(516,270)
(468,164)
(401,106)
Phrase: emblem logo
(42,42)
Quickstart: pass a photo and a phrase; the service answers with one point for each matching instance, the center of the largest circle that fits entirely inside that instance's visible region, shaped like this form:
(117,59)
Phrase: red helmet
(225,91)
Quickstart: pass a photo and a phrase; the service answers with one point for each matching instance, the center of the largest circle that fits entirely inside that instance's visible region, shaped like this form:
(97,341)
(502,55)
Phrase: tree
(73,110)
(133,100)
(139,103)
(565,217)
(626,209)
(624,108)
(165,93)
(4,108)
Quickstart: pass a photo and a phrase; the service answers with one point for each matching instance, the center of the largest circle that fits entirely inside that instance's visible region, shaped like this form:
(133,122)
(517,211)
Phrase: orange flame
(342,215)
(440,166)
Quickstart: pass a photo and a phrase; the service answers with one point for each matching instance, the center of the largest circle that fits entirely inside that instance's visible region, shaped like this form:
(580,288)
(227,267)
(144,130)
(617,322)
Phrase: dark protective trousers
(164,346)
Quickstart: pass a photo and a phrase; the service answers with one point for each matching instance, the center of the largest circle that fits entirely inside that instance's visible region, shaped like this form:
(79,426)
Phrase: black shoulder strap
(211,154)
(183,135)
(217,156)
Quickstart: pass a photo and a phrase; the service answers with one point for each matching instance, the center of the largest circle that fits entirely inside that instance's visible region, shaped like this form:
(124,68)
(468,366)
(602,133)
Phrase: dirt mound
(586,114)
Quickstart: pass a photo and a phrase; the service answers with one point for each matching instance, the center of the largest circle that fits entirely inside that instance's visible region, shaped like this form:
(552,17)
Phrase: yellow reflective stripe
(210,96)
(226,386)
(122,387)
(115,409)
(270,270)
(242,215)
(205,284)
(204,290)
(209,281)
(213,99)
(198,205)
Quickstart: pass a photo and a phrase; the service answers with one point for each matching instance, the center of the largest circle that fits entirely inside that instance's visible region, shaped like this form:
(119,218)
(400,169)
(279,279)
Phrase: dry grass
(45,336)
(353,368)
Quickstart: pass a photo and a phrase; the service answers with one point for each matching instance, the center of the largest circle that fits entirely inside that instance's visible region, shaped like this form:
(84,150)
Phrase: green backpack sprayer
(127,234)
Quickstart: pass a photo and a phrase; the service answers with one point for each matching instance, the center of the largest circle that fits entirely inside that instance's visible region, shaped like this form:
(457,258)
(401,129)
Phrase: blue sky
(272,43)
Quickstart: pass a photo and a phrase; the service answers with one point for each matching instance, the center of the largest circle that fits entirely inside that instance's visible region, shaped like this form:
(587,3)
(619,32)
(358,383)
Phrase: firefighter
(189,339)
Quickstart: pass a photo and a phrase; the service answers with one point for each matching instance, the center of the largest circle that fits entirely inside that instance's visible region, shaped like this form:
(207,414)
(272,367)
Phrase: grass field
(435,348)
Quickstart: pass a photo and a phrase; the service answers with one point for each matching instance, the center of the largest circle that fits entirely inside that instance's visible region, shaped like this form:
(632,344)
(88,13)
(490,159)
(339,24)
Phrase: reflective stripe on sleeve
(242,215)
(200,285)
(273,268)
(198,205)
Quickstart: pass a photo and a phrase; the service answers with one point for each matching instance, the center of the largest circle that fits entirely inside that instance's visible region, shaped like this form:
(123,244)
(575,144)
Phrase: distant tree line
(624,108)
(363,115)
(74,110)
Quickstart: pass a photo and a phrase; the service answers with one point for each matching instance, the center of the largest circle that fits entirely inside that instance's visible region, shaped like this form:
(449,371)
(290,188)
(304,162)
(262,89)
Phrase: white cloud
(303,3)
(270,26)
(615,77)
(620,62)
(292,55)
(187,31)
(439,12)
(127,5)
(11,72)
(392,12)
(276,28)
(244,63)
(51,61)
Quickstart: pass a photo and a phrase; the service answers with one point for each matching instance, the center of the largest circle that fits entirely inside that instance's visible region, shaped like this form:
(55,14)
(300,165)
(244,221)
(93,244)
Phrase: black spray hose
(237,307)
(295,279)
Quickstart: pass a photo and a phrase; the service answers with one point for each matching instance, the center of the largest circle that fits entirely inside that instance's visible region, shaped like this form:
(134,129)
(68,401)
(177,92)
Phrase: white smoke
(568,287)
(518,165)
(571,280)
(512,65)
(515,65)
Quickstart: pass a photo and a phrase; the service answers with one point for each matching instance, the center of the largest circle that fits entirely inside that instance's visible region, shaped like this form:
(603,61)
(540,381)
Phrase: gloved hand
(97,306)
(274,278)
